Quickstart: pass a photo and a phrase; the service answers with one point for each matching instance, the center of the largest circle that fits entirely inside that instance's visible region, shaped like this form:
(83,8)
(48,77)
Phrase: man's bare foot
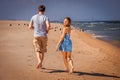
(39,66)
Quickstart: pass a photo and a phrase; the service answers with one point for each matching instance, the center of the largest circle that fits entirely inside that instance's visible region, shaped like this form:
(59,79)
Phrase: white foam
(99,36)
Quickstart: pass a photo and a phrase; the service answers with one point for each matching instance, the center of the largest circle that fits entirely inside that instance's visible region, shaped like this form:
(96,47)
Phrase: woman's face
(66,22)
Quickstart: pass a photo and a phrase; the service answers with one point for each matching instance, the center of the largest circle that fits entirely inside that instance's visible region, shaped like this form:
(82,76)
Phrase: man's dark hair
(41,8)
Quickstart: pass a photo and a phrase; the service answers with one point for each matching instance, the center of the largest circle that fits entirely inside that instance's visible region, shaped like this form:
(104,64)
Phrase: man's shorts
(40,44)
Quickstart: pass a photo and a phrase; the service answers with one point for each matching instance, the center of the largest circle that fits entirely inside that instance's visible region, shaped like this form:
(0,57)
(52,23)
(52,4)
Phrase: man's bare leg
(40,57)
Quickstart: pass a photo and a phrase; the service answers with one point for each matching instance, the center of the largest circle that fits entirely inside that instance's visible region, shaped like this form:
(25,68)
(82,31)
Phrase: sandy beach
(93,59)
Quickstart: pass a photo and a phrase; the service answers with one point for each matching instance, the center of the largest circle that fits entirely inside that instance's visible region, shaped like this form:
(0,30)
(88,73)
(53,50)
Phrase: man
(41,26)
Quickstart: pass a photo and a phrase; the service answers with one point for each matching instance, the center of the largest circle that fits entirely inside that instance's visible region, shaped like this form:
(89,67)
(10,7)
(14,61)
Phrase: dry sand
(93,59)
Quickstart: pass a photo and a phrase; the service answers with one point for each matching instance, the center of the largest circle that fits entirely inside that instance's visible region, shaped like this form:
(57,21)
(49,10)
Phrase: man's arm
(31,26)
(48,26)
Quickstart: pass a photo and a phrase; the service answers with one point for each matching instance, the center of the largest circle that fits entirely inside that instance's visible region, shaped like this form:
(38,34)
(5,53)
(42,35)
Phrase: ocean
(108,31)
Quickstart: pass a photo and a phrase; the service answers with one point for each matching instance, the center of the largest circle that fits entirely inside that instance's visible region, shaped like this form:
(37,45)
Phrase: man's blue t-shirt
(39,23)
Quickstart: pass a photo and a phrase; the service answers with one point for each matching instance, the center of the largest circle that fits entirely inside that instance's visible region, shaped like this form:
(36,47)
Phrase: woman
(65,45)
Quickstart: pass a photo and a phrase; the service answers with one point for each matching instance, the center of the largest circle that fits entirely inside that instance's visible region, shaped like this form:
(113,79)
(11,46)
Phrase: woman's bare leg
(65,60)
(70,61)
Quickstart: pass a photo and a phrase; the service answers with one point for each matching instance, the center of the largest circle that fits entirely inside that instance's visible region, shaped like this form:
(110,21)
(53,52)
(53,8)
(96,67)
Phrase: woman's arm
(61,39)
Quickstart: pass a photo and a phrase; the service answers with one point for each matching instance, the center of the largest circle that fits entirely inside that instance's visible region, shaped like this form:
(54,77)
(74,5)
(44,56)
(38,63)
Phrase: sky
(77,10)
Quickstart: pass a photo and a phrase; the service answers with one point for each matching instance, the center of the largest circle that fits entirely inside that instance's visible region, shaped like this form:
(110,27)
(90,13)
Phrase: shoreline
(115,43)
(106,31)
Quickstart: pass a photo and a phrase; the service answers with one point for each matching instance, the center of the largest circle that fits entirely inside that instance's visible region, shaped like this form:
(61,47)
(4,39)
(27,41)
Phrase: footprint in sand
(30,60)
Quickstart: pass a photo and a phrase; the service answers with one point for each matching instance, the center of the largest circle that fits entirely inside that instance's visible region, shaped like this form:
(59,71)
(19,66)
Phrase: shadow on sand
(78,73)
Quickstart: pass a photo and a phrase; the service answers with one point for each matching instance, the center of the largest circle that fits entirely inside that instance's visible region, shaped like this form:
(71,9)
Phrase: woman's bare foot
(67,70)
(71,70)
